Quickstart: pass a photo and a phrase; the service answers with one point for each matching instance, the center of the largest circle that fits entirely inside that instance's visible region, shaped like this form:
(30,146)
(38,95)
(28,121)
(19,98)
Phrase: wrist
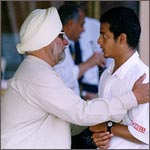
(109,125)
(91,62)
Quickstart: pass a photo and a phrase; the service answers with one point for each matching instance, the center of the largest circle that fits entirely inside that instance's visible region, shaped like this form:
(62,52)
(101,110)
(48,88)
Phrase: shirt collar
(71,42)
(37,61)
(123,69)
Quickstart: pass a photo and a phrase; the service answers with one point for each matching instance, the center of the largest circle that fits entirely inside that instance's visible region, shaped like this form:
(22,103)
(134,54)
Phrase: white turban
(39,29)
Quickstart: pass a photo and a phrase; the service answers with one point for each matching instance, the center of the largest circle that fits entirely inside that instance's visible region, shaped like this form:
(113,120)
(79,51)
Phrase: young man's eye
(103,36)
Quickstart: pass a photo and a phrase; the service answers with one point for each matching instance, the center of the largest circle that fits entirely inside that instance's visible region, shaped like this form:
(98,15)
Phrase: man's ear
(122,38)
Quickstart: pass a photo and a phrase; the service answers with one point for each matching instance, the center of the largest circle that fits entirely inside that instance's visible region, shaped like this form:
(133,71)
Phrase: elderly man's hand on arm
(141,90)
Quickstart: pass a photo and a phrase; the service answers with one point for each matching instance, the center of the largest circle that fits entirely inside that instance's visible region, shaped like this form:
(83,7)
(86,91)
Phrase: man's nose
(100,41)
(66,42)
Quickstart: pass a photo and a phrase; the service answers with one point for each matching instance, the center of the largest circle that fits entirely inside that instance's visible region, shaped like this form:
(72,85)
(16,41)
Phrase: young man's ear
(122,38)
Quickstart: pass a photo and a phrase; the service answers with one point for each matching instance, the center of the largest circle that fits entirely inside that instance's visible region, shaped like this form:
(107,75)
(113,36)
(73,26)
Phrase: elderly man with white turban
(37,108)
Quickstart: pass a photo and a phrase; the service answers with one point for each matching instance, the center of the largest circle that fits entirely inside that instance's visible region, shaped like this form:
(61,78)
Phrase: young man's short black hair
(123,20)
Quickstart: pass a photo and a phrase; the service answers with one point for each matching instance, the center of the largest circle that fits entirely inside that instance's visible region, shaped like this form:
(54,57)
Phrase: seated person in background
(119,39)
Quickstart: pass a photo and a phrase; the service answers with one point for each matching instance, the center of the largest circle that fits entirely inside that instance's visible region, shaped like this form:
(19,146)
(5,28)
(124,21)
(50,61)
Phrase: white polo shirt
(122,80)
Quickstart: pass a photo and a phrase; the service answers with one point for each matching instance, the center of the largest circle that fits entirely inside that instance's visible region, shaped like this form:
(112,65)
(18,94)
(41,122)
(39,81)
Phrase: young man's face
(107,42)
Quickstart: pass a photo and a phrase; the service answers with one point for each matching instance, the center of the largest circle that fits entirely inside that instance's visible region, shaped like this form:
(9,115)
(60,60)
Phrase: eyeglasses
(62,35)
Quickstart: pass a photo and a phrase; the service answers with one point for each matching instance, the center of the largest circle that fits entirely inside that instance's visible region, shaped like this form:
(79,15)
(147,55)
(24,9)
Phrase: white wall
(144,41)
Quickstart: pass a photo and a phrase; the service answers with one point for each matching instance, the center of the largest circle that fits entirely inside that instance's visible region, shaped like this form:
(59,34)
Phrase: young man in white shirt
(120,33)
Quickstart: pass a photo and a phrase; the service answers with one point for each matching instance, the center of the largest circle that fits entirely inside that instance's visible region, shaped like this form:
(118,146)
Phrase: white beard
(63,55)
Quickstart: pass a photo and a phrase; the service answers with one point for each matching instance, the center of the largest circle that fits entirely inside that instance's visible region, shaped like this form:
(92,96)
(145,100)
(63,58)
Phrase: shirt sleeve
(121,103)
(56,99)
(139,126)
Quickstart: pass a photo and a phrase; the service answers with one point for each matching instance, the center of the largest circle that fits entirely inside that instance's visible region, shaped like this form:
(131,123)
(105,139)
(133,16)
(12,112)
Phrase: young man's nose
(100,41)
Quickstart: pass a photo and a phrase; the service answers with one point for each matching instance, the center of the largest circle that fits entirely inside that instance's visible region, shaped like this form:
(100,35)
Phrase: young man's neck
(122,59)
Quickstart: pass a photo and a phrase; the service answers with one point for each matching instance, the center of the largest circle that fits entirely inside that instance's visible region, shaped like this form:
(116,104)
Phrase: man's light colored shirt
(120,81)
